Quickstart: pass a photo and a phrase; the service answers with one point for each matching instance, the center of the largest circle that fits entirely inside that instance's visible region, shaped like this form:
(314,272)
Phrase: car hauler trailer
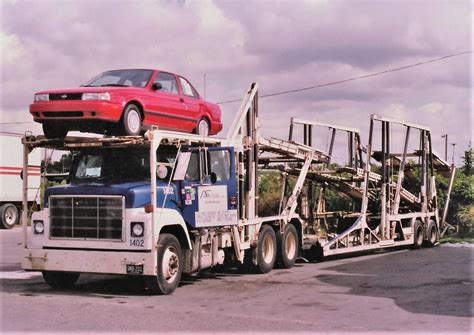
(11,163)
(167,203)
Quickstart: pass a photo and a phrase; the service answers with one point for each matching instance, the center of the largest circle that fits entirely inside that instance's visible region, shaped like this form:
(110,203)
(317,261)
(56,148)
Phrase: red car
(126,102)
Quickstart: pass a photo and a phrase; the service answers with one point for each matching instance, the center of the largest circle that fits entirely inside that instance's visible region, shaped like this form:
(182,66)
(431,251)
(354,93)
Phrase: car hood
(85,89)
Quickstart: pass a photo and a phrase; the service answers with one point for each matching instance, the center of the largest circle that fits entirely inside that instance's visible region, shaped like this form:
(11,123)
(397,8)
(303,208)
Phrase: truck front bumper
(87,261)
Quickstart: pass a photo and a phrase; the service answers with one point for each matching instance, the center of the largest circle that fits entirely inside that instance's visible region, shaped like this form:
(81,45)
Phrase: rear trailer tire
(10,216)
(266,249)
(287,246)
(54,131)
(432,234)
(202,128)
(60,279)
(131,120)
(170,266)
(417,235)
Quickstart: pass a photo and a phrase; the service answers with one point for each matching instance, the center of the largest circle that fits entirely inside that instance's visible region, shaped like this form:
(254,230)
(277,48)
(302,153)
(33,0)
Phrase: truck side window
(219,164)
(192,172)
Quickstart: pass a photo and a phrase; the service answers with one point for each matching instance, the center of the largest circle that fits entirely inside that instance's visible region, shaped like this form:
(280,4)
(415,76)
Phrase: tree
(467,168)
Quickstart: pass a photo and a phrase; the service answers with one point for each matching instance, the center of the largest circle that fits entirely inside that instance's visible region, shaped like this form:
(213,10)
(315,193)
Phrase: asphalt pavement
(404,291)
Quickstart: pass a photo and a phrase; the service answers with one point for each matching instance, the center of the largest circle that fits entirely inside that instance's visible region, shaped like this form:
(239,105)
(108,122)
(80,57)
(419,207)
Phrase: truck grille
(99,218)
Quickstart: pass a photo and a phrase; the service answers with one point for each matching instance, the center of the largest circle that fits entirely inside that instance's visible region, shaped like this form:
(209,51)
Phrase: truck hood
(137,194)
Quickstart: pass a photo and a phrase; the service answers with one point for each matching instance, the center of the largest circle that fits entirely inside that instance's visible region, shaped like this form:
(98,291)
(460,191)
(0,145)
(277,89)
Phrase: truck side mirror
(213,178)
(156,86)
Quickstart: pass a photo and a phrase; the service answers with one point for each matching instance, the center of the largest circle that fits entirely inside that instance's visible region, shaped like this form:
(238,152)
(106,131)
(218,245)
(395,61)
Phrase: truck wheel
(417,234)
(266,249)
(57,279)
(10,216)
(54,131)
(132,120)
(287,246)
(202,128)
(170,266)
(432,234)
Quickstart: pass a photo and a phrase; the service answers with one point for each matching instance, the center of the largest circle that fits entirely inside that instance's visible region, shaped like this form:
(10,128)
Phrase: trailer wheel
(131,120)
(432,234)
(10,216)
(266,249)
(170,266)
(60,279)
(54,131)
(417,234)
(287,246)
(202,127)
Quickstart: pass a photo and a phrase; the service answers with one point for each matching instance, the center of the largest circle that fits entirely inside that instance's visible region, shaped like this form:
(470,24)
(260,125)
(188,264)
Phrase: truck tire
(131,120)
(57,279)
(202,127)
(54,131)
(266,249)
(417,234)
(170,266)
(287,242)
(432,234)
(10,216)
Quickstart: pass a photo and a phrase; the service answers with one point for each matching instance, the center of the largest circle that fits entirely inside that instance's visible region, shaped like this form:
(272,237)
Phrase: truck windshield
(122,164)
(126,78)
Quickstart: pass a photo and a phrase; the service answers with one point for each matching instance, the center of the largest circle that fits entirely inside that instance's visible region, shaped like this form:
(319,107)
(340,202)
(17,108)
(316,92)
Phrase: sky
(282,45)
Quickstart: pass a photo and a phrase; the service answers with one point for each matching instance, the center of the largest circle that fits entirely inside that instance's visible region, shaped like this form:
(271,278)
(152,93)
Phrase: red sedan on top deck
(126,102)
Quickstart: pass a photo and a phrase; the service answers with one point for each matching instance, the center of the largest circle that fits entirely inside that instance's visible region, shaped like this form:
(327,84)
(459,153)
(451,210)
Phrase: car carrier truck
(168,203)
(11,164)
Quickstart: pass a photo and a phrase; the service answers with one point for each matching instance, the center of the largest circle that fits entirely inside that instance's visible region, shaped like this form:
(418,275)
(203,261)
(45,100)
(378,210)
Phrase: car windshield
(118,164)
(125,78)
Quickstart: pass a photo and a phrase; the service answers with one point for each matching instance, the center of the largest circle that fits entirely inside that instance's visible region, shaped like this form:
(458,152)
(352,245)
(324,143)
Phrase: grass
(456,239)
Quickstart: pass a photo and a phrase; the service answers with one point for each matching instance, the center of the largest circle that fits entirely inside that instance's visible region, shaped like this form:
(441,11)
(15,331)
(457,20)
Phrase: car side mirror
(156,86)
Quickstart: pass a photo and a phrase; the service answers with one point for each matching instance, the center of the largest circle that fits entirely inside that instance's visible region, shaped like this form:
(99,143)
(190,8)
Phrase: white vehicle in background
(11,165)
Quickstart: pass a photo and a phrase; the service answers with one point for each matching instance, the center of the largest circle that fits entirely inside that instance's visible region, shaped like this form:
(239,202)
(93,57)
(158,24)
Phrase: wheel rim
(170,264)
(10,216)
(290,246)
(268,249)
(419,236)
(203,128)
(133,121)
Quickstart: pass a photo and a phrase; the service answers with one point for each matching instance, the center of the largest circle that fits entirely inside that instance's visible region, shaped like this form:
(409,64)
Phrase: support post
(24,212)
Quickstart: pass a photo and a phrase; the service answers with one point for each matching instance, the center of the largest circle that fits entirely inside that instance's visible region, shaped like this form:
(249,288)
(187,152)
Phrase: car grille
(99,218)
(65,96)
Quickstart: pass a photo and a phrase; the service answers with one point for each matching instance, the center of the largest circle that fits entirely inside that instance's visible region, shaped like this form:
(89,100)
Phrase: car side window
(168,82)
(188,89)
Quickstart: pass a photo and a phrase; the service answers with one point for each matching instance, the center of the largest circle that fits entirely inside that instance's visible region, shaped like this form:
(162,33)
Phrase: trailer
(168,203)
(11,165)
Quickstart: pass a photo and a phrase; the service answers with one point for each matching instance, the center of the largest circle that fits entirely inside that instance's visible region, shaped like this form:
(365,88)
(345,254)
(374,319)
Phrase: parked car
(126,102)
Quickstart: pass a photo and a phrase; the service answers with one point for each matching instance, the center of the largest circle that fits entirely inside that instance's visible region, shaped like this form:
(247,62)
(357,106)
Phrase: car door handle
(181,99)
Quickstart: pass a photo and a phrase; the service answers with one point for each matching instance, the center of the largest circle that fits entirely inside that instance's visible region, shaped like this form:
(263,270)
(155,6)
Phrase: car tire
(202,127)
(57,279)
(131,120)
(169,266)
(53,131)
(10,216)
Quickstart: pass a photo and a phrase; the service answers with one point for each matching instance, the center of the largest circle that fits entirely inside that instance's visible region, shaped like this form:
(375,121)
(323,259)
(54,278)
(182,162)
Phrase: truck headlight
(96,96)
(42,97)
(38,226)
(137,229)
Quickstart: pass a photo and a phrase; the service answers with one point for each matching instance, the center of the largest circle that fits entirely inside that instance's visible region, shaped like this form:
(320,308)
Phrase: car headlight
(38,226)
(137,229)
(96,96)
(42,97)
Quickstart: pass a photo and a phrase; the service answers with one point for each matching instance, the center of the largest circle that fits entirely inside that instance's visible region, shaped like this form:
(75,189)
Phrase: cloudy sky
(282,45)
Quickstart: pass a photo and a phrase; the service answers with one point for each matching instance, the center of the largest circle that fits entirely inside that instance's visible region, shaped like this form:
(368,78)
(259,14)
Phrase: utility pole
(453,144)
(445,136)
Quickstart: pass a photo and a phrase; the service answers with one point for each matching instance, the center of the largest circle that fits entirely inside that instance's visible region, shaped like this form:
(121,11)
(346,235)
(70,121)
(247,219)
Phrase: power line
(353,78)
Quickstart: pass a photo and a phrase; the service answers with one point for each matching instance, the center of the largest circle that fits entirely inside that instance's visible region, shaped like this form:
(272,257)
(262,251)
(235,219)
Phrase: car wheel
(10,216)
(54,131)
(131,120)
(202,128)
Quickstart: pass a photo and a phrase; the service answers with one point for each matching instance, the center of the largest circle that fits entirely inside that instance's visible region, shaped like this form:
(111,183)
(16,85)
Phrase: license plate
(135,269)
